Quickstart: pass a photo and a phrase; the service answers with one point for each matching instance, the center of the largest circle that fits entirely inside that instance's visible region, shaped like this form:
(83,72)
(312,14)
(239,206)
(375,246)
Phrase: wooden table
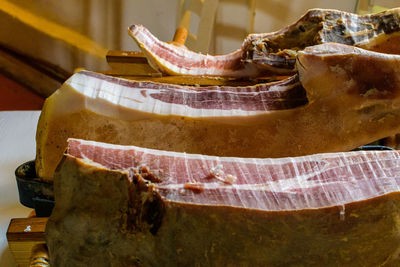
(17,145)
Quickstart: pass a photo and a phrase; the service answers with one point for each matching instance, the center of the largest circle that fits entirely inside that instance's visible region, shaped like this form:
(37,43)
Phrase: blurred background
(42,42)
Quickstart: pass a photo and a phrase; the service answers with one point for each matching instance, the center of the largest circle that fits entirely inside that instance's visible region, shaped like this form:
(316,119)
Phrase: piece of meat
(127,205)
(172,117)
(352,100)
(377,32)
(275,52)
(177,60)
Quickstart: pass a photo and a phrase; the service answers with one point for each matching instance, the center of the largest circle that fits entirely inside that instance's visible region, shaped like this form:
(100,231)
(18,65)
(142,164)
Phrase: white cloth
(17,145)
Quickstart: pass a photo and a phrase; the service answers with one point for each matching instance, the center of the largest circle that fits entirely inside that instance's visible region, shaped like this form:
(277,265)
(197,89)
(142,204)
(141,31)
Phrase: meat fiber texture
(131,206)
(275,52)
(346,97)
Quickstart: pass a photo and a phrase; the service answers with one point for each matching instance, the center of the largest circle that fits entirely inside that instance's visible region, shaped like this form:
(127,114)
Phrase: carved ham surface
(177,60)
(316,181)
(346,97)
(275,52)
(127,205)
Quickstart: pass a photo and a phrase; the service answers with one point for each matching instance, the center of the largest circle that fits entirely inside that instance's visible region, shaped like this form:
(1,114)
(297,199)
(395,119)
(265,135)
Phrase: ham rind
(352,99)
(128,205)
(275,52)
(241,101)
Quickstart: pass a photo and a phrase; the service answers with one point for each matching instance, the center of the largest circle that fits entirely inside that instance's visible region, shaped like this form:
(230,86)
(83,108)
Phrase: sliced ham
(177,60)
(352,99)
(275,52)
(128,205)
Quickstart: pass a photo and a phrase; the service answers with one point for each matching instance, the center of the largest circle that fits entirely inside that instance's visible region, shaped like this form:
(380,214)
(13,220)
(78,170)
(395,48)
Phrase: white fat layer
(330,49)
(139,99)
(151,46)
(258,161)
(205,70)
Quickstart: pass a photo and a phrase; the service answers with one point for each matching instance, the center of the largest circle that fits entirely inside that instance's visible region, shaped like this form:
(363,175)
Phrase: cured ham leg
(210,120)
(275,52)
(352,99)
(130,206)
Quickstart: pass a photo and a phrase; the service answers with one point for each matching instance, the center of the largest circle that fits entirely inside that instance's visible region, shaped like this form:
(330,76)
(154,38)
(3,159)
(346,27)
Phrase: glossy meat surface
(316,181)
(129,206)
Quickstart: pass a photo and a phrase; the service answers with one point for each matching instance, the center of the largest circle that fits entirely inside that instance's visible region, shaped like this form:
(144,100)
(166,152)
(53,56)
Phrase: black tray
(33,192)
(372,147)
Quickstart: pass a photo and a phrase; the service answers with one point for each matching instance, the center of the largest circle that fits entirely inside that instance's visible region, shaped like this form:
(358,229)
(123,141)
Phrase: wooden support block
(129,63)
(27,229)
(195,80)
(23,235)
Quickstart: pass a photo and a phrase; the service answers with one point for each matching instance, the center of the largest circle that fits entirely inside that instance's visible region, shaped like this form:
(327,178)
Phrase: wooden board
(23,236)
(134,66)
(129,63)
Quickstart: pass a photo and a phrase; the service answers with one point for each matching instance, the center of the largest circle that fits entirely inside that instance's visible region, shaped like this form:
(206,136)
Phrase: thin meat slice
(177,60)
(346,97)
(275,52)
(134,206)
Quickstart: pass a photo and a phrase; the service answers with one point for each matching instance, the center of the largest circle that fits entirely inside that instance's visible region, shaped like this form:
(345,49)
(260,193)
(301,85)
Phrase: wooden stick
(180,36)
(40,256)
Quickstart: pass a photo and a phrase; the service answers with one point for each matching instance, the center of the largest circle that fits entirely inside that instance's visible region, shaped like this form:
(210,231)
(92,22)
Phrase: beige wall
(158,16)
(105,23)
(271,15)
(231,22)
